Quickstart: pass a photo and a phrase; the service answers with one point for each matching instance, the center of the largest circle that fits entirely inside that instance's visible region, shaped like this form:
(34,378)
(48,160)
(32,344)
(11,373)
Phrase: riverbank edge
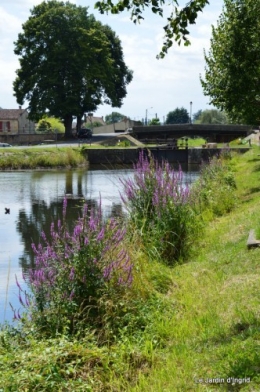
(27,158)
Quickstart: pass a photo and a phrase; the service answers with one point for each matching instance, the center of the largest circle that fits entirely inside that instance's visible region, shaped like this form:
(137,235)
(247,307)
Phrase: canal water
(35,200)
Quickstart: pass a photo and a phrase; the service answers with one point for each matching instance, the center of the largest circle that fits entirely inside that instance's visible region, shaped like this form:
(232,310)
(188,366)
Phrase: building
(15,121)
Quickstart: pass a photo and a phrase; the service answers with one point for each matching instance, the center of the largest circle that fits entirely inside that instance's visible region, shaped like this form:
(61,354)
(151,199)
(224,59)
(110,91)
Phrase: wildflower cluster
(72,270)
(158,202)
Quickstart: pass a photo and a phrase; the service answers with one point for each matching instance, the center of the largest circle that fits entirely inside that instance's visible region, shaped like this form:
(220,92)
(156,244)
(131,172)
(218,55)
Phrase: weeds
(214,192)
(41,158)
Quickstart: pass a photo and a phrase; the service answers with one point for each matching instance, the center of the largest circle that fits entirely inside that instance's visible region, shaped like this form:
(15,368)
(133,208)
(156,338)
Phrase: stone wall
(130,156)
(27,138)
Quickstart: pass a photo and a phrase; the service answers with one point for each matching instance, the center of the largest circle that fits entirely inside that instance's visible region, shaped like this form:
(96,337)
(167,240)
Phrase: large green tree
(114,117)
(211,116)
(232,73)
(178,116)
(155,121)
(178,20)
(69,63)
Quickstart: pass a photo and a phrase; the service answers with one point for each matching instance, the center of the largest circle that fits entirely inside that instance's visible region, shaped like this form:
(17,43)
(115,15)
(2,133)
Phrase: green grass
(35,158)
(192,323)
(199,142)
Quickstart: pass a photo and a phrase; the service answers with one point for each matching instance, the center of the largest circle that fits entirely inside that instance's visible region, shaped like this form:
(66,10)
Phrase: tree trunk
(79,122)
(68,125)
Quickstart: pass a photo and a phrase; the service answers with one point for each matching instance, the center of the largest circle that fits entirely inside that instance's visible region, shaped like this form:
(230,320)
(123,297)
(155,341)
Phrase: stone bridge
(210,132)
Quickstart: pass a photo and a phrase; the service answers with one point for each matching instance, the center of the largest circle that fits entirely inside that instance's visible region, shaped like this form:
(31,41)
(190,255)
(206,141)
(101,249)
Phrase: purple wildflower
(17,283)
(100,235)
(72,274)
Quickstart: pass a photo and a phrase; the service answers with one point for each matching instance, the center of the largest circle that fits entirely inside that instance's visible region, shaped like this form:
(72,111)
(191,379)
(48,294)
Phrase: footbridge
(210,132)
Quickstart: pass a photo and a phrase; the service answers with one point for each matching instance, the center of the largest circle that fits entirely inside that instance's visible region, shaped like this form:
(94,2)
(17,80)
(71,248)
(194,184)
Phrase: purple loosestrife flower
(61,261)
(17,283)
(27,300)
(34,249)
(20,299)
(107,272)
(64,210)
(43,235)
(85,211)
(92,223)
(101,234)
(77,230)
(72,274)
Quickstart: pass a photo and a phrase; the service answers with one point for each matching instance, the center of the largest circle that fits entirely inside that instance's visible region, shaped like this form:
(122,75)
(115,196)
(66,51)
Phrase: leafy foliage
(178,21)
(94,124)
(232,73)
(211,116)
(196,115)
(114,117)
(178,116)
(50,124)
(44,126)
(158,204)
(69,63)
(154,121)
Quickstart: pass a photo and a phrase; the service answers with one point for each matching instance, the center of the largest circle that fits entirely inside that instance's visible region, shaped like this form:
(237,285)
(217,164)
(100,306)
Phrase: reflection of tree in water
(30,226)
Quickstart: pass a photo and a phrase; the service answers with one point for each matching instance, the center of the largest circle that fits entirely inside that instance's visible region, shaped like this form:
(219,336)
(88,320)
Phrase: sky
(158,86)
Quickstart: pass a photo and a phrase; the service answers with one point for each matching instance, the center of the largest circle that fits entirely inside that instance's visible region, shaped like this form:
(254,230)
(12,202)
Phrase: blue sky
(158,86)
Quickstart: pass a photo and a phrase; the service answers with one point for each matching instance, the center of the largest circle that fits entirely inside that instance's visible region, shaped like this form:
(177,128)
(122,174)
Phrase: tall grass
(7,287)
(214,192)
(33,158)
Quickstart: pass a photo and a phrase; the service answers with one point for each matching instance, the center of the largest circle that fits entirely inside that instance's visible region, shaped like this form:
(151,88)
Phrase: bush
(74,270)
(158,203)
(214,192)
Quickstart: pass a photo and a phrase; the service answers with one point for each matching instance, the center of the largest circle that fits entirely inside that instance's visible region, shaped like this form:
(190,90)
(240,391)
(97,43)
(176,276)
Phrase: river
(35,200)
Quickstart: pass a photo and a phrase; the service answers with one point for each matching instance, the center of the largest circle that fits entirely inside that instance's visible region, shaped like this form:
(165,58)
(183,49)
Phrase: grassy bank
(189,327)
(40,158)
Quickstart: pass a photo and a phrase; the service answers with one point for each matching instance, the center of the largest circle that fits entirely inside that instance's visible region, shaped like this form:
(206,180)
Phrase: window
(5,126)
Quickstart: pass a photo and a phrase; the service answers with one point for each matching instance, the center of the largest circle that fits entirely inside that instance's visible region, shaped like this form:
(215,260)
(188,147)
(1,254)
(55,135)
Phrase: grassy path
(214,332)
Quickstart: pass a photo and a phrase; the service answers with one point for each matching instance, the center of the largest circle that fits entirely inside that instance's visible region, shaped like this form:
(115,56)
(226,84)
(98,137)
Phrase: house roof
(11,114)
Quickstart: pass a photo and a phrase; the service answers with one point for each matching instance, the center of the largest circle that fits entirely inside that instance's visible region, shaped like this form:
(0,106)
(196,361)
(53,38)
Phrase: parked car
(5,145)
(84,133)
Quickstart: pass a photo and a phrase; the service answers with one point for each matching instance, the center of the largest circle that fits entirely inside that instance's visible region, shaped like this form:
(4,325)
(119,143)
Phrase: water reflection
(35,200)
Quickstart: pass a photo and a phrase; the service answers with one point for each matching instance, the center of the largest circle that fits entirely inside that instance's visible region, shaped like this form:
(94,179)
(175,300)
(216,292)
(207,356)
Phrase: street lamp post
(190,112)
(146,111)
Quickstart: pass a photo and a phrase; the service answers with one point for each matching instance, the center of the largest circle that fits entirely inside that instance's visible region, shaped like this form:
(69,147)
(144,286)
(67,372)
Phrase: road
(95,139)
